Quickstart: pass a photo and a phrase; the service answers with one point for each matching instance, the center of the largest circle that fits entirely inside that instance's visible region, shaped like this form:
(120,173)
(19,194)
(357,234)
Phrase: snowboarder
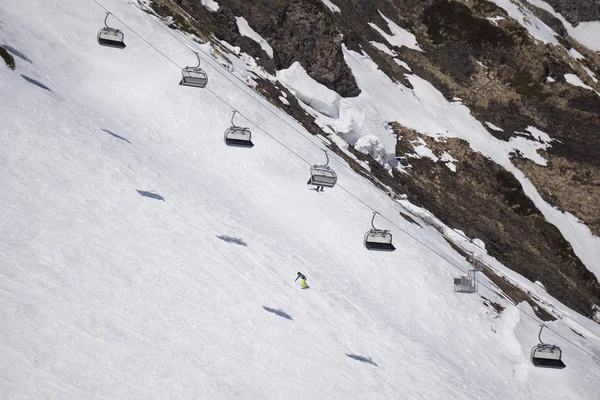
(302,278)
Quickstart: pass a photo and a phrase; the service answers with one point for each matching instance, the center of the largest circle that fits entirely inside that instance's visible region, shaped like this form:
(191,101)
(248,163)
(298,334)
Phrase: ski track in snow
(109,294)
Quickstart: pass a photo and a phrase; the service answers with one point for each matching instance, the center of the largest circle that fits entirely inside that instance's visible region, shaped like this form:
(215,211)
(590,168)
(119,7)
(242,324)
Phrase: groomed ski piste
(142,258)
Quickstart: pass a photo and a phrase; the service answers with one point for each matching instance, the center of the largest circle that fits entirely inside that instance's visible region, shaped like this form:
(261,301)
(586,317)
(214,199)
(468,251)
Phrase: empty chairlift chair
(546,355)
(378,239)
(238,136)
(194,76)
(322,175)
(111,37)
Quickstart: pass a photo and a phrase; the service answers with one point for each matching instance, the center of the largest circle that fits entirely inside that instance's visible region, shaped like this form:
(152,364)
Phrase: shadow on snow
(16,53)
(117,136)
(280,313)
(233,240)
(366,360)
(151,195)
(36,83)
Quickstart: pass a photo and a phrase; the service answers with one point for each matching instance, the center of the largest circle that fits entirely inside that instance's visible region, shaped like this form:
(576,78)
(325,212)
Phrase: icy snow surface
(142,258)
(399,37)
(246,30)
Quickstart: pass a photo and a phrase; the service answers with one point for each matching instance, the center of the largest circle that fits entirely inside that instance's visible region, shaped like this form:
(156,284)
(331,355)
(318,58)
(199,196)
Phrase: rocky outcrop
(498,71)
(576,11)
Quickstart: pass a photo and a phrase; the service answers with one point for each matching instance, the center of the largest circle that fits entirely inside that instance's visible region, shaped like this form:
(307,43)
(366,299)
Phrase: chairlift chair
(111,37)
(194,76)
(322,175)
(378,239)
(546,355)
(238,136)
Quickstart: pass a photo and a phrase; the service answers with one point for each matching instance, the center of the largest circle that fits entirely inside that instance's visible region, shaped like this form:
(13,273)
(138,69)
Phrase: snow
(422,150)
(575,54)
(332,7)
(449,161)
(370,144)
(246,30)
(574,80)
(550,79)
(210,5)
(399,37)
(495,20)
(528,20)
(308,91)
(143,258)
(494,127)
(590,73)
(284,100)
(382,47)
(427,111)
(403,64)
(586,33)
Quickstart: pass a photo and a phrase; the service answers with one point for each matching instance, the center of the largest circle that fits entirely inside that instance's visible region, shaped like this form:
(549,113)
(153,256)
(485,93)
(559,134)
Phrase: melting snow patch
(575,54)
(402,64)
(529,148)
(590,73)
(284,100)
(550,79)
(527,19)
(449,161)
(422,150)
(494,127)
(210,5)
(399,37)
(495,20)
(310,92)
(574,80)
(586,33)
(332,7)
(246,30)
(382,47)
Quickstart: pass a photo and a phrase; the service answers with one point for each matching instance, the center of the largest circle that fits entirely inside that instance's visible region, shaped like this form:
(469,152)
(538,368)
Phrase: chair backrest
(322,176)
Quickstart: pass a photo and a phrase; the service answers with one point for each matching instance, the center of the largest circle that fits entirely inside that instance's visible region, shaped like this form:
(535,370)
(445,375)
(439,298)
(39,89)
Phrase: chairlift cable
(303,159)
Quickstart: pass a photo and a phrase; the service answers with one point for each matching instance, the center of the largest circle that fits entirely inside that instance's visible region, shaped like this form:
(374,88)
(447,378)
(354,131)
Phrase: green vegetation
(8,58)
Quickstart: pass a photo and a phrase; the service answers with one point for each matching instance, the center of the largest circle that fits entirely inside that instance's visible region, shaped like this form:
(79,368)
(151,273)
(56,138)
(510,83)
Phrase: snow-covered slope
(141,258)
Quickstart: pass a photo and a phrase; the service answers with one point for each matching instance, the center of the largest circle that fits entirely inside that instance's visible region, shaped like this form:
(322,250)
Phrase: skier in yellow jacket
(302,278)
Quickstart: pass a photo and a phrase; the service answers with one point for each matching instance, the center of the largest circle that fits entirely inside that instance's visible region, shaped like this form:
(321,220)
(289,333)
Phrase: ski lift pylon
(468,283)
(238,136)
(322,175)
(378,239)
(546,355)
(194,76)
(111,37)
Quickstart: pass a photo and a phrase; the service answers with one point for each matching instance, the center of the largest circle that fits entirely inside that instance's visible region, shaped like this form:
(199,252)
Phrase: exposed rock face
(576,11)
(498,71)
